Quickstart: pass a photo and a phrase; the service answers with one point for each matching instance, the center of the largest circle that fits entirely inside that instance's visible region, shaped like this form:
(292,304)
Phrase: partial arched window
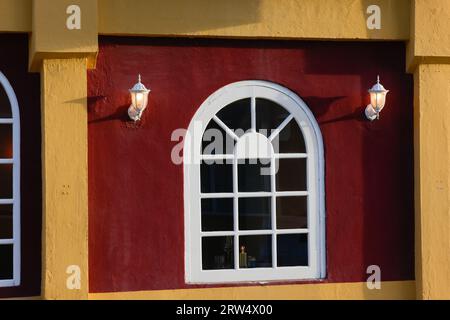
(9,186)
(254,187)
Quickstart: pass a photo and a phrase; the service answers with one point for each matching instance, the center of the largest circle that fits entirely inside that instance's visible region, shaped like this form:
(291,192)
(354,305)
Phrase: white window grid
(15,200)
(314,192)
(236,194)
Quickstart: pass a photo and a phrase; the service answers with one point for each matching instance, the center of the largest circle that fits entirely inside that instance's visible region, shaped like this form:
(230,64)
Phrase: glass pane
(237,116)
(292,250)
(217,253)
(216,177)
(6,139)
(292,212)
(6,182)
(216,140)
(291,175)
(6,221)
(290,139)
(269,115)
(217,214)
(255,251)
(5,106)
(255,213)
(6,261)
(254,175)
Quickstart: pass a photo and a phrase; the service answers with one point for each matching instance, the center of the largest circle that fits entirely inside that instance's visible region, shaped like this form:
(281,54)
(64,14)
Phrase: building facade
(252,173)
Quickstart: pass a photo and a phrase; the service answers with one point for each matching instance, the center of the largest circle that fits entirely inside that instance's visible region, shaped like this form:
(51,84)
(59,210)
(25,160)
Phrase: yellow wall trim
(318,19)
(334,291)
(15,15)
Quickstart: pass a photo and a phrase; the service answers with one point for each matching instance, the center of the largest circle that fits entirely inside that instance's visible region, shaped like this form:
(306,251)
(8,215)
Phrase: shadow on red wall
(136,233)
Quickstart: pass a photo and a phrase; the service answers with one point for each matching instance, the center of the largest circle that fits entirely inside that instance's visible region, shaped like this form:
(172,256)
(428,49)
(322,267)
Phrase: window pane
(216,177)
(6,181)
(255,251)
(217,214)
(292,250)
(254,175)
(269,115)
(6,221)
(5,106)
(255,213)
(217,253)
(290,139)
(216,140)
(237,116)
(6,261)
(291,175)
(292,212)
(6,150)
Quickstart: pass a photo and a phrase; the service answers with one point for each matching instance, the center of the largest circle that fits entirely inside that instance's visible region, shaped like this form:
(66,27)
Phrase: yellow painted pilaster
(432,173)
(428,57)
(64,165)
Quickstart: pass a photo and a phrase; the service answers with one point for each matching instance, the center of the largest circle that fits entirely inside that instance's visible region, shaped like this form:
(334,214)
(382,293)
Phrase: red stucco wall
(136,227)
(14,65)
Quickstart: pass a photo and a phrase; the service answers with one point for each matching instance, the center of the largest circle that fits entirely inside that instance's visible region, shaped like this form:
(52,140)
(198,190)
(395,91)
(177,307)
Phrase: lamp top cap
(378,87)
(139,87)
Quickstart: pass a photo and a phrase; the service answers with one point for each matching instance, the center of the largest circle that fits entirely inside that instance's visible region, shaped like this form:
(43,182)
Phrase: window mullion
(235,213)
(253,113)
(274,213)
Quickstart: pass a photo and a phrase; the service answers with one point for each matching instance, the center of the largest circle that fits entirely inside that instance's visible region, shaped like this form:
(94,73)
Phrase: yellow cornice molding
(290,19)
(294,19)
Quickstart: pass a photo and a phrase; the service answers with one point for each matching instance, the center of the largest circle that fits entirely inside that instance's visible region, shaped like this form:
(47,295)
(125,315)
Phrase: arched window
(254,187)
(9,186)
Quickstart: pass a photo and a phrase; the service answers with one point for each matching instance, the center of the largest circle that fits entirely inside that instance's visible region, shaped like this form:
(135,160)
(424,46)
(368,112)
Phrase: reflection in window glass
(216,140)
(290,139)
(6,221)
(292,250)
(5,107)
(291,175)
(217,253)
(216,177)
(292,212)
(254,175)
(217,214)
(255,213)
(6,150)
(269,115)
(6,178)
(237,116)
(6,261)
(255,251)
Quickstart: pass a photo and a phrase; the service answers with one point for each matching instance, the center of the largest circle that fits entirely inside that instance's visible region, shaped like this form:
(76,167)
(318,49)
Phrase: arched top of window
(254,192)
(9,185)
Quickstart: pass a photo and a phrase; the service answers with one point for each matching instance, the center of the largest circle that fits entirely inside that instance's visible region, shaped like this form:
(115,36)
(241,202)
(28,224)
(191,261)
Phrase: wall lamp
(139,99)
(377,101)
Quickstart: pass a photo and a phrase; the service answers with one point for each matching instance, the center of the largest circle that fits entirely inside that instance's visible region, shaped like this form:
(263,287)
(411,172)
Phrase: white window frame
(315,186)
(15,201)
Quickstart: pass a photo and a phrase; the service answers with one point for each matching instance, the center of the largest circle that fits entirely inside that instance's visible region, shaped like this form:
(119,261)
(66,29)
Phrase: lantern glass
(139,99)
(378,100)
